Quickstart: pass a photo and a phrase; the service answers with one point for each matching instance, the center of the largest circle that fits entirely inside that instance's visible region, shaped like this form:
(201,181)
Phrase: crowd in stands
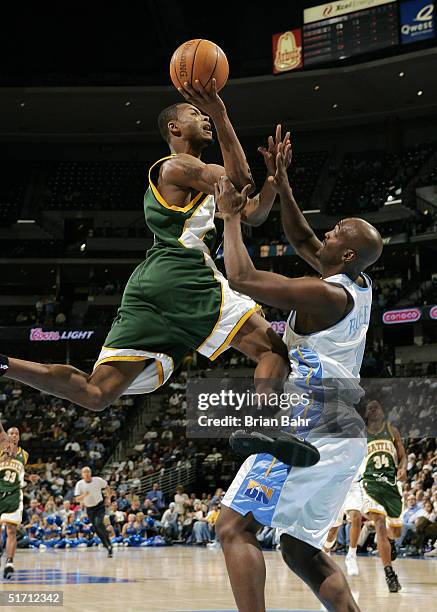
(58,430)
(59,522)
(75,185)
(365,180)
(61,438)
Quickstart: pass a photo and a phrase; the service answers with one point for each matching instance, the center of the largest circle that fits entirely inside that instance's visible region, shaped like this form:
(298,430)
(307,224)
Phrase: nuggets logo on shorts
(258,492)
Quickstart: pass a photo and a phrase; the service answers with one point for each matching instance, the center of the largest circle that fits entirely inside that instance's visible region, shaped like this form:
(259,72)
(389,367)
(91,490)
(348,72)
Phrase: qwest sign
(38,335)
(417,20)
(403,315)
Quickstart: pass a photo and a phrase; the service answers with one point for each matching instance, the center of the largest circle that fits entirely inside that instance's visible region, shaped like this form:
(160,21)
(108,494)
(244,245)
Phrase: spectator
(66,511)
(409,518)
(122,502)
(169,523)
(156,496)
(181,501)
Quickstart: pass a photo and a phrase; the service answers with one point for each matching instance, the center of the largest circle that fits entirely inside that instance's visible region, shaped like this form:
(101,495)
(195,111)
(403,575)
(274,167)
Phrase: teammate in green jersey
(177,301)
(12,469)
(384,469)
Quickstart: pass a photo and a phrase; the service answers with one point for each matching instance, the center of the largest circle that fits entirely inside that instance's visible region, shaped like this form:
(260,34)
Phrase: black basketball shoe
(288,448)
(9,570)
(392,579)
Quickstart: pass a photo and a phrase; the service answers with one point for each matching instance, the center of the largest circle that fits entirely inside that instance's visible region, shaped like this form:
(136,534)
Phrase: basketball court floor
(194,579)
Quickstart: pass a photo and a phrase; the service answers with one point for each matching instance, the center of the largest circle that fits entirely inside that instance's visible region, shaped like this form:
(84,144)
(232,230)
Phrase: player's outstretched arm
(297,229)
(234,158)
(311,295)
(258,208)
(4,438)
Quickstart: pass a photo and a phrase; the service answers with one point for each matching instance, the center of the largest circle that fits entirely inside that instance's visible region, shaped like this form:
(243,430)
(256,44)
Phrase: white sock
(329,544)
(352,552)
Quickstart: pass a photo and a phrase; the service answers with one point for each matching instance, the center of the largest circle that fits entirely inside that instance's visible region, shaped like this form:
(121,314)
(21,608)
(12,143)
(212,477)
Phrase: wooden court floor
(194,579)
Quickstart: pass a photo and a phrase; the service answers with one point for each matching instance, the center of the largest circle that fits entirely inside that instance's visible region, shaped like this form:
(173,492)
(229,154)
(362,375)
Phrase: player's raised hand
(208,101)
(8,448)
(283,159)
(269,154)
(230,202)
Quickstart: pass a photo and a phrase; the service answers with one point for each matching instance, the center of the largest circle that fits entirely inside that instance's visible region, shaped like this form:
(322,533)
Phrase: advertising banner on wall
(417,20)
(287,51)
(335,9)
(409,315)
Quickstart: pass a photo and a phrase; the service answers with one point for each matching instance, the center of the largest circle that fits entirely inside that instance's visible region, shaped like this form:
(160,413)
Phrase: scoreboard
(335,31)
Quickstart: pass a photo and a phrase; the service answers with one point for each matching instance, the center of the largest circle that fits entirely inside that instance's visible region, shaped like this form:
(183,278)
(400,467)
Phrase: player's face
(335,244)
(374,410)
(194,125)
(14,435)
(86,475)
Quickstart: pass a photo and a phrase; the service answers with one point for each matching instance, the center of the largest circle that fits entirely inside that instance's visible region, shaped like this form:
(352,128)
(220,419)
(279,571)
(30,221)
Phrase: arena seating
(80,185)
(366,179)
(15,180)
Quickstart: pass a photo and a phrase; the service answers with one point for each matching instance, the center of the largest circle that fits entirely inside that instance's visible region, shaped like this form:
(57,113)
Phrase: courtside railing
(167,479)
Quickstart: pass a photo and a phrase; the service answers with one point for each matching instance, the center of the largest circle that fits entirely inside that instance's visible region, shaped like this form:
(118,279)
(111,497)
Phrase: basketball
(202,60)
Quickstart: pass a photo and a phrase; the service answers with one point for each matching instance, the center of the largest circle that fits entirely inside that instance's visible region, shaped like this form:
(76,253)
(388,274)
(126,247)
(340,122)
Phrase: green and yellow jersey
(381,463)
(380,470)
(12,471)
(181,227)
(176,301)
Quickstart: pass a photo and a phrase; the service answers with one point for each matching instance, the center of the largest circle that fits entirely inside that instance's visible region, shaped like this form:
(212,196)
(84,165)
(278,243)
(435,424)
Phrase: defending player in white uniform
(305,501)
(325,339)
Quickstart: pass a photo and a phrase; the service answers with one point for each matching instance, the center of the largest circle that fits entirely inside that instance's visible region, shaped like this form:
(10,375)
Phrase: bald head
(364,239)
(350,247)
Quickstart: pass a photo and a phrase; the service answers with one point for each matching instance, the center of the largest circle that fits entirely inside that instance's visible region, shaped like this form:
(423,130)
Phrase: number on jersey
(381,461)
(10,476)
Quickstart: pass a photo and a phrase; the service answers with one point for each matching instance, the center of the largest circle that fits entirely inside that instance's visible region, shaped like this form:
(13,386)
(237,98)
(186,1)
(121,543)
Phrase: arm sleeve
(78,489)
(102,482)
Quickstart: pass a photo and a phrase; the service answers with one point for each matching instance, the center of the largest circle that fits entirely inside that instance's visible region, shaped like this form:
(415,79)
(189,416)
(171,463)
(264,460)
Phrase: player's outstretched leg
(354,534)
(257,340)
(11,547)
(244,559)
(93,391)
(320,573)
(384,550)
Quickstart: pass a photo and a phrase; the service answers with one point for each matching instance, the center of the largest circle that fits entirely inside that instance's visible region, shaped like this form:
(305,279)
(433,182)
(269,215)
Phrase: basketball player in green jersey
(12,468)
(177,301)
(384,469)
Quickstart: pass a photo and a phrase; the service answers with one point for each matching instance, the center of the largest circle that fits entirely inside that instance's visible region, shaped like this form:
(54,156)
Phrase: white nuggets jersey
(304,502)
(336,352)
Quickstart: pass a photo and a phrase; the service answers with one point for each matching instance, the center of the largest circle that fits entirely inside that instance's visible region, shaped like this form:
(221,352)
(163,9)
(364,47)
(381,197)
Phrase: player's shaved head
(365,240)
(350,247)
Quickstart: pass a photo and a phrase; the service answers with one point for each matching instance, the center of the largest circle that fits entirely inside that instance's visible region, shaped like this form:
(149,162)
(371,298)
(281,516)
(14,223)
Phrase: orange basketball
(199,59)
